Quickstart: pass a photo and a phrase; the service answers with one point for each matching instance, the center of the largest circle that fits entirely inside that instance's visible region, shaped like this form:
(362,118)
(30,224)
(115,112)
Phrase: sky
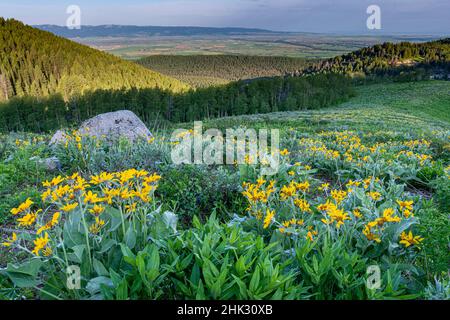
(322,16)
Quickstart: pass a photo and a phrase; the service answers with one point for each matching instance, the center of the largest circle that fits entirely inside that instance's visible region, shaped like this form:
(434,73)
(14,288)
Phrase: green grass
(427,100)
(421,106)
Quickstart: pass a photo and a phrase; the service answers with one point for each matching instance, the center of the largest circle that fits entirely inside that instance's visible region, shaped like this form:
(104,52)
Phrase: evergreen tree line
(44,114)
(37,63)
(389,60)
(206,70)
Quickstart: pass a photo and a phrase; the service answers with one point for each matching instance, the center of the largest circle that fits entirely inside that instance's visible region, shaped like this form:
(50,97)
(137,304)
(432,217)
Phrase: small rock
(52,164)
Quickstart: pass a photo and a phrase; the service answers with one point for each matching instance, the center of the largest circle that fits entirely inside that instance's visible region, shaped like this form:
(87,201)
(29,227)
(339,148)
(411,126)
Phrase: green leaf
(242,287)
(130,238)
(107,245)
(122,290)
(94,285)
(153,261)
(24,275)
(254,282)
(77,254)
(100,268)
(116,219)
(128,256)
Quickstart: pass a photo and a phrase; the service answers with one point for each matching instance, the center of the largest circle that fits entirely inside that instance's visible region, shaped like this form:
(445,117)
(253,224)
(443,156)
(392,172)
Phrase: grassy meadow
(364,183)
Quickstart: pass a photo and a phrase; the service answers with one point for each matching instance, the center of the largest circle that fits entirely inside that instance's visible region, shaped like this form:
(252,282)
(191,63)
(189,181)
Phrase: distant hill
(389,59)
(205,70)
(37,63)
(134,31)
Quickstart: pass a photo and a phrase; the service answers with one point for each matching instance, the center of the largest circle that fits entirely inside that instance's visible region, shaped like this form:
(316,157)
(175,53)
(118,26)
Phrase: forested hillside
(421,59)
(37,63)
(156,106)
(405,60)
(205,70)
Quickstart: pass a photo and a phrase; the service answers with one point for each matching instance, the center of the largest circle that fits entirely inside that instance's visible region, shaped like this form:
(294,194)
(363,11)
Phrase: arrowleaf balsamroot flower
(40,243)
(54,182)
(97,210)
(288,191)
(97,226)
(302,186)
(408,239)
(69,207)
(303,205)
(268,218)
(29,219)
(49,225)
(22,207)
(10,241)
(405,205)
(91,197)
(338,195)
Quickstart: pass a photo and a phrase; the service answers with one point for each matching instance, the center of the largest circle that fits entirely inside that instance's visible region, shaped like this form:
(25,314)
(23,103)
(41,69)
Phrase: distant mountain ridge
(121,30)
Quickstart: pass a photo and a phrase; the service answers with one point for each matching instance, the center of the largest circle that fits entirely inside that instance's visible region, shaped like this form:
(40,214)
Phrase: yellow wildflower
(303,205)
(53,222)
(22,207)
(407,213)
(338,195)
(97,226)
(97,210)
(101,178)
(131,208)
(302,186)
(92,198)
(10,241)
(357,213)
(408,239)
(40,243)
(29,219)
(374,195)
(408,205)
(54,182)
(288,191)
(268,218)
(69,207)
(370,235)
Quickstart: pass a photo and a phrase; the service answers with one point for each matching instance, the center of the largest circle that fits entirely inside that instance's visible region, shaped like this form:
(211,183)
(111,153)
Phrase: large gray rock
(110,126)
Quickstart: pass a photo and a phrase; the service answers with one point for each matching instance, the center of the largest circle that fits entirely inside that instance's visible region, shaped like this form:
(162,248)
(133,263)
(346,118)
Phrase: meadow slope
(363,183)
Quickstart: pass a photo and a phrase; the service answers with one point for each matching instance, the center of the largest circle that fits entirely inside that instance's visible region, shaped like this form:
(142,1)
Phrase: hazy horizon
(318,16)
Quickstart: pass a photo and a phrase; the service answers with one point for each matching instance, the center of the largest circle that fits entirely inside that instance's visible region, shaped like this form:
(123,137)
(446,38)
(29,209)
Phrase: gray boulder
(58,137)
(110,126)
(50,164)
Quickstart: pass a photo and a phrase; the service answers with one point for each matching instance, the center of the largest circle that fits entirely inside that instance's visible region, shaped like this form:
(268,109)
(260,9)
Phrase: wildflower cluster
(345,149)
(302,207)
(127,191)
